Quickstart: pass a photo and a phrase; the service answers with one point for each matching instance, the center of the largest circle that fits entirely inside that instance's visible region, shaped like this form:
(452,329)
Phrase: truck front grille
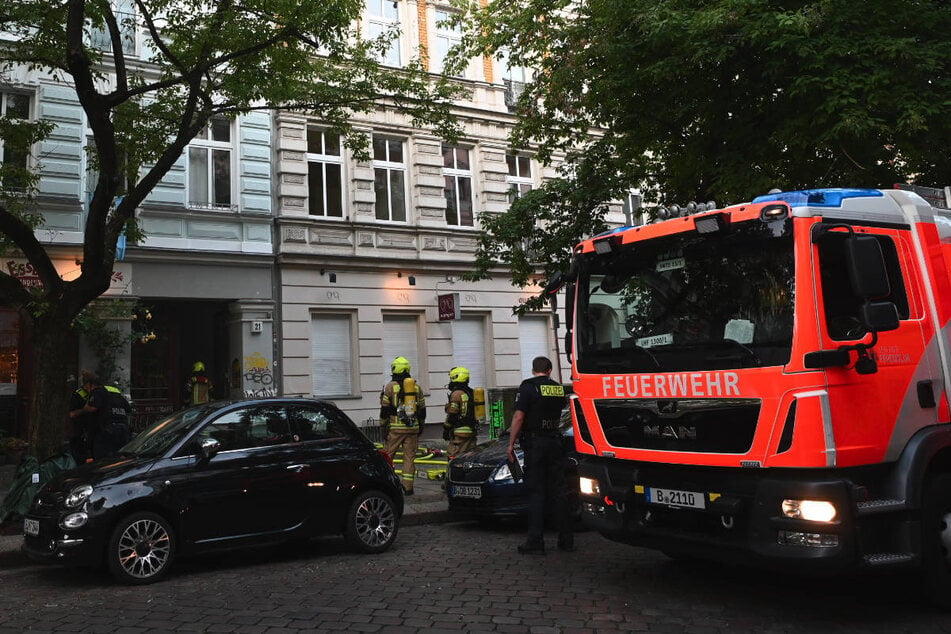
(690,425)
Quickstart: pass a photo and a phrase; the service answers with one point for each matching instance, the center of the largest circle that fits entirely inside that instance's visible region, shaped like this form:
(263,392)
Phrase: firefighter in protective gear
(461,424)
(198,385)
(402,415)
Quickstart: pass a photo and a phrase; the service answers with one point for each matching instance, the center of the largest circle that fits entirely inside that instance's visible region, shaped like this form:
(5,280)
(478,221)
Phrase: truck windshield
(688,301)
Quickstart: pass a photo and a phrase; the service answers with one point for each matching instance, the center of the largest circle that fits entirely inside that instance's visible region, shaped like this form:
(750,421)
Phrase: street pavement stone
(446,575)
(422,584)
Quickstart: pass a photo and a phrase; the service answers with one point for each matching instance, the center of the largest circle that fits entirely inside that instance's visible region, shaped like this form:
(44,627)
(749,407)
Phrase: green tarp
(29,477)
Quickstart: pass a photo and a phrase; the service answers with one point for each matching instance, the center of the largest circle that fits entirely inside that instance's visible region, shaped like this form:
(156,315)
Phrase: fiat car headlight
(78,495)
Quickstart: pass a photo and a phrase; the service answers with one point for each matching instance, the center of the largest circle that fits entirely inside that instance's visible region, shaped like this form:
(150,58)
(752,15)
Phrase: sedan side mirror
(209,447)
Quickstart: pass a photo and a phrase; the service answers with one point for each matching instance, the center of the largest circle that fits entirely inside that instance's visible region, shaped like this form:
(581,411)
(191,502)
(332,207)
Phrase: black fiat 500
(219,476)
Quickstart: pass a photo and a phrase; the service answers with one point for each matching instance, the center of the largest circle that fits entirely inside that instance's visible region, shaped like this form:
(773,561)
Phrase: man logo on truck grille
(678,432)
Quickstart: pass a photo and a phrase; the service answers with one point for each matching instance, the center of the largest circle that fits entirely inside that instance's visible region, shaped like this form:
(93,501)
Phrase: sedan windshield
(162,435)
(689,301)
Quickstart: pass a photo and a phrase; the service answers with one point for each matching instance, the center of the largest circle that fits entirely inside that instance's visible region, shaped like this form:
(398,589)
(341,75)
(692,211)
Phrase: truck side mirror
(866,267)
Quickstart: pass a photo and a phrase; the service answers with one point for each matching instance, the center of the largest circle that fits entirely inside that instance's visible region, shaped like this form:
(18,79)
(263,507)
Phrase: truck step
(870,507)
(889,559)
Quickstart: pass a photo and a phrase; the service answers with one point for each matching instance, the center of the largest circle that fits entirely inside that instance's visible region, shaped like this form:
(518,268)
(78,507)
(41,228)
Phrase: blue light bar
(832,197)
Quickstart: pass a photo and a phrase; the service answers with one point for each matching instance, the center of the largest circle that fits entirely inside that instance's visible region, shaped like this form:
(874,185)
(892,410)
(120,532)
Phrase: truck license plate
(466,491)
(673,497)
(31,527)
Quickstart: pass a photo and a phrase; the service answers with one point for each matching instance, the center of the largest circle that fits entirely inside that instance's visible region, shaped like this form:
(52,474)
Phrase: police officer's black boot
(532,548)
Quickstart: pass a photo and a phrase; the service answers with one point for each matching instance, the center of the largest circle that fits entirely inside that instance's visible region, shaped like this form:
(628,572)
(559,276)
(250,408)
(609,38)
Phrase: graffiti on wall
(258,379)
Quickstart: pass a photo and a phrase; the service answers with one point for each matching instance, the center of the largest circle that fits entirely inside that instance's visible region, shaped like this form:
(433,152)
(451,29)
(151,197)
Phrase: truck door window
(842,308)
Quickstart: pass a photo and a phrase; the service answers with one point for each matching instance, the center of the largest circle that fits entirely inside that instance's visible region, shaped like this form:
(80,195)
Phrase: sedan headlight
(502,472)
(78,495)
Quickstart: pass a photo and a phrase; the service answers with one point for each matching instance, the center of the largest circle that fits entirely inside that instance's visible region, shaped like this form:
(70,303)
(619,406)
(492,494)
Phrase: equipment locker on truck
(769,382)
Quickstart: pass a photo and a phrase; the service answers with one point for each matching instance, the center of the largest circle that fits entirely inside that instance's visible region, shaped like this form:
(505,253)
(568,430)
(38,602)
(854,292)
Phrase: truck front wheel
(936,540)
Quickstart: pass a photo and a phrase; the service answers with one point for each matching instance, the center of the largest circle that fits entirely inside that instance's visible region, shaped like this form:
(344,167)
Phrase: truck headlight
(589,486)
(78,495)
(811,510)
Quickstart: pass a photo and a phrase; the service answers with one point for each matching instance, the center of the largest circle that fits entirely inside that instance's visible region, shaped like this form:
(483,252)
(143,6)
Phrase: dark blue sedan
(479,483)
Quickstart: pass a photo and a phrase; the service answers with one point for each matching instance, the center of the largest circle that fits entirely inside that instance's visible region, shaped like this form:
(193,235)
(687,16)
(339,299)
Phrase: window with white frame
(331,354)
(389,178)
(633,214)
(514,78)
(382,17)
(124,11)
(457,173)
(446,35)
(520,175)
(14,105)
(210,170)
(324,173)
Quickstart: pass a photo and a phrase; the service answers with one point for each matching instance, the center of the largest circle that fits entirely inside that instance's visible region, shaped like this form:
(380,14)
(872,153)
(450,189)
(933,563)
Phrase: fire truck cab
(769,382)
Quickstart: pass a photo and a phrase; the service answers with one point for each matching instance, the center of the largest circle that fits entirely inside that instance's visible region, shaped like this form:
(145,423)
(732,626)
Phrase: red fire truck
(769,382)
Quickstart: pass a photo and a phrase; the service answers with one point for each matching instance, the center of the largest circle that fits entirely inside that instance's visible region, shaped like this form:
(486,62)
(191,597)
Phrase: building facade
(286,265)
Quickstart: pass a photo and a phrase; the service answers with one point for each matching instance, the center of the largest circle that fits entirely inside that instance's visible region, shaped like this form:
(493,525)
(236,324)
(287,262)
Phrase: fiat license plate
(673,497)
(31,527)
(466,491)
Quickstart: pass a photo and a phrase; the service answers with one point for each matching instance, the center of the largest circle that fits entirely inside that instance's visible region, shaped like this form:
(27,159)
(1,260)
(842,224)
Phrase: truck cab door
(878,402)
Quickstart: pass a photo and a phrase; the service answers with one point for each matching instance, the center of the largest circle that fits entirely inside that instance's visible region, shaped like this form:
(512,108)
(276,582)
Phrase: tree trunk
(49,424)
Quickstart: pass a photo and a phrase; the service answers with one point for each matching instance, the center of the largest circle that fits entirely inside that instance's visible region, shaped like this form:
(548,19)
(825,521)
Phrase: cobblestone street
(423,584)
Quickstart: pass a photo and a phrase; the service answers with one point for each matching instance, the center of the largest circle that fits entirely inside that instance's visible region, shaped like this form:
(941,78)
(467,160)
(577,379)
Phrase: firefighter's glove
(446,431)
(387,411)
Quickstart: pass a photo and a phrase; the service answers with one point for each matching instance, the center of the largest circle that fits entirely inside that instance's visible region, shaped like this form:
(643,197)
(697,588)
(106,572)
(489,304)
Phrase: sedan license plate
(466,491)
(31,527)
(673,497)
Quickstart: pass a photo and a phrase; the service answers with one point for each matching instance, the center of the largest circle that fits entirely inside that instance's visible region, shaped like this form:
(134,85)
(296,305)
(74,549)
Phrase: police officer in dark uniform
(111,410)
(80,441)
(537,419)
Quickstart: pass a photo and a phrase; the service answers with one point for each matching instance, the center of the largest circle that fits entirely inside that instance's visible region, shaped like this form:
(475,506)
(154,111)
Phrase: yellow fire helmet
(459,374)
(400,365)
(198,367)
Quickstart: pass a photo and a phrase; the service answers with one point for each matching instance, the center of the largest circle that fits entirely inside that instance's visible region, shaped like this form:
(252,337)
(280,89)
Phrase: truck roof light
(832,197)
(607,244)
(710,224)
(777,211)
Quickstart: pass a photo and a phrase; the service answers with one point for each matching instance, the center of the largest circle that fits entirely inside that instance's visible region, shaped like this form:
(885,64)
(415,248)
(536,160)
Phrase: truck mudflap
(727,515)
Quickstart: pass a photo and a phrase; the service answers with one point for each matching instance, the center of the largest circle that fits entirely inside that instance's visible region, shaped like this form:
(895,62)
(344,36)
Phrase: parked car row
(237,474)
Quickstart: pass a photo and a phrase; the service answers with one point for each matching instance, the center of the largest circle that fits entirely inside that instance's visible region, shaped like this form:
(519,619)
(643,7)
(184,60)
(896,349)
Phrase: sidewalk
(428,505)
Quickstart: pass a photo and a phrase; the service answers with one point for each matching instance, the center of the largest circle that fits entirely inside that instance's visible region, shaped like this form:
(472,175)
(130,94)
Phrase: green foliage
(723,99)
